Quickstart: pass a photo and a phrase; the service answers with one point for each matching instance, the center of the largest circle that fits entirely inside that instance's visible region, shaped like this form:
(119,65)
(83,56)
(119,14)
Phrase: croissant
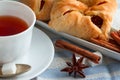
(41,8)
(83,18)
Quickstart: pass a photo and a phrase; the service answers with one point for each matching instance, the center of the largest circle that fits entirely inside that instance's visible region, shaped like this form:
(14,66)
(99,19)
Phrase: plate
(39,57)
(92,46)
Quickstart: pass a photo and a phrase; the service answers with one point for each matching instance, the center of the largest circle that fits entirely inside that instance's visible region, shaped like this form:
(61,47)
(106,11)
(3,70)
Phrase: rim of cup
(32,24)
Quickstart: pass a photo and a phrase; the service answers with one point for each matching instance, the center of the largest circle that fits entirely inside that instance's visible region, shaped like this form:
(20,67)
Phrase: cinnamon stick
(65,45)
(106,44)
(115,36)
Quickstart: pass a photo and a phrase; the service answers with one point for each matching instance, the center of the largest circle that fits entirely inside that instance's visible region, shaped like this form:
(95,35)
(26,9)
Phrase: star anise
(75,67)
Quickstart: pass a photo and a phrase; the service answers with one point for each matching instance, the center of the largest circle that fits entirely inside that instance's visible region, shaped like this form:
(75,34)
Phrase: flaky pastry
(83,18)
(41,8)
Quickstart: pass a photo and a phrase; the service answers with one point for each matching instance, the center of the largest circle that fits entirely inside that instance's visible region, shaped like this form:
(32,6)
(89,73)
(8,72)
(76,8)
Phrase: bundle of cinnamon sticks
(112,44)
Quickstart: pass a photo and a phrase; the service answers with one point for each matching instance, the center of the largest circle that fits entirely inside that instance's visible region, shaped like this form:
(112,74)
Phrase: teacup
(16,45)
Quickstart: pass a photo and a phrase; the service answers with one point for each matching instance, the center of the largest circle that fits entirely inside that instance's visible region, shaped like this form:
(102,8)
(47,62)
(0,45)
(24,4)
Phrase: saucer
(39,57)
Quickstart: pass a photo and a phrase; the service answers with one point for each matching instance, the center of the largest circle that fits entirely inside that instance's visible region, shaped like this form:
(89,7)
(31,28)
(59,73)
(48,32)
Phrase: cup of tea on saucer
(16,25)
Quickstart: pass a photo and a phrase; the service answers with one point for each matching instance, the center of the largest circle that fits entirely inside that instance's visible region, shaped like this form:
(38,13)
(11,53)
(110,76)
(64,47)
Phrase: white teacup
(15,46)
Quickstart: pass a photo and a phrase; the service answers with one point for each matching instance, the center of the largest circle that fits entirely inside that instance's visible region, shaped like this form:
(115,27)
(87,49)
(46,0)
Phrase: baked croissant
(41,8)
(83,18)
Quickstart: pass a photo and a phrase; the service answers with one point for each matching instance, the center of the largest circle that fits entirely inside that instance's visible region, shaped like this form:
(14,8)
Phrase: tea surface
(10,25)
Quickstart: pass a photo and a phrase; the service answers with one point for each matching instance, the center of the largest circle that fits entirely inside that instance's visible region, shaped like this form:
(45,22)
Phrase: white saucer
(40,56)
